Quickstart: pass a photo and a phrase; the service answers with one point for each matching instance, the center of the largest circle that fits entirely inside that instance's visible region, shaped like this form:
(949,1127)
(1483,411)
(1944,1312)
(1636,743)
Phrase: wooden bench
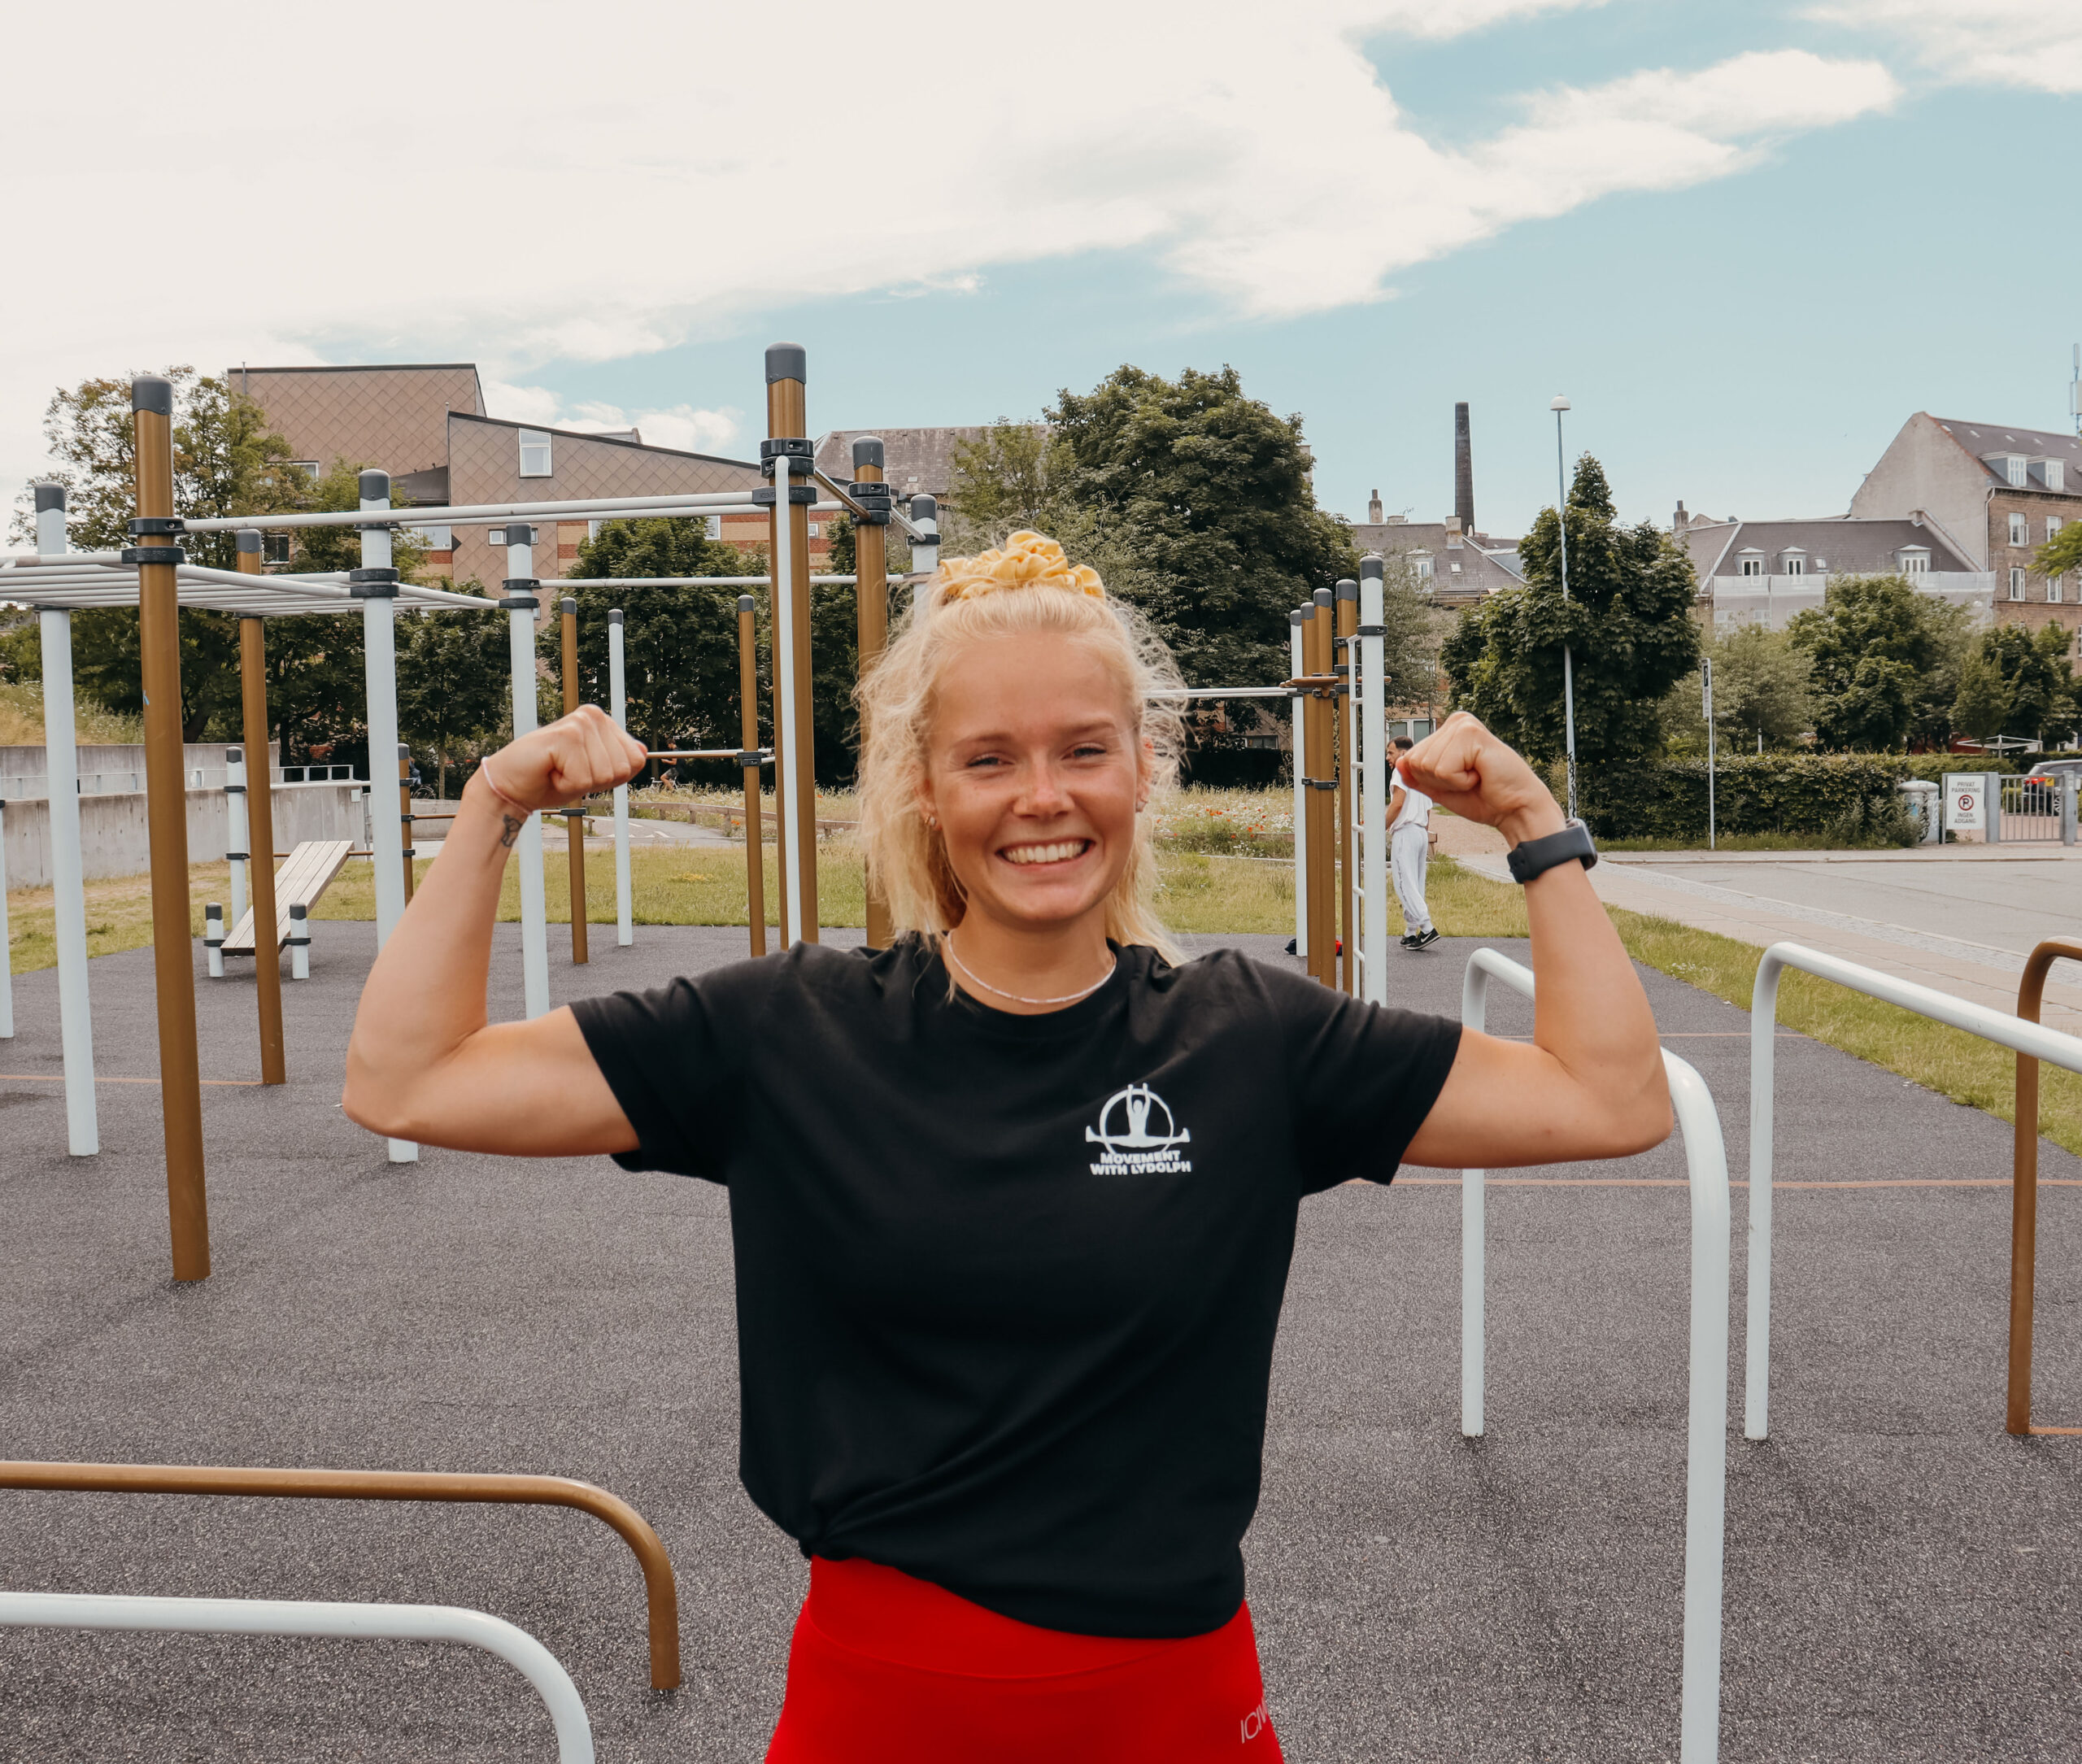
(306,873)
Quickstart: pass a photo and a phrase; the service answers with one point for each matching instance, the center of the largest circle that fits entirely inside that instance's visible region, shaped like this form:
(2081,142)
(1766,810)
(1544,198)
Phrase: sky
(1746,241)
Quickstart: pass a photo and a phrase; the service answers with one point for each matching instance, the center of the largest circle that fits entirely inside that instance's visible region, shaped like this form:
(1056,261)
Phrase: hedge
(1233,767)
(1849,794)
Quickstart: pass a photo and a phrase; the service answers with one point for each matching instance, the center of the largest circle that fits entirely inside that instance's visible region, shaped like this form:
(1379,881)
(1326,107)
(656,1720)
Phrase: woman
(1012,1201)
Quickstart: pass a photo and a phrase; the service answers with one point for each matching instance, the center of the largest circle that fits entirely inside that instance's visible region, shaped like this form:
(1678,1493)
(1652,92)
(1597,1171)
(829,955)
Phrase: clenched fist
(1462,767)
(564,761)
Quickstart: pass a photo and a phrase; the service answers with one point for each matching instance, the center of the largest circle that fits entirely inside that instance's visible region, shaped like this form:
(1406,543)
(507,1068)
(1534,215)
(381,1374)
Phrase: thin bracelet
(491,783)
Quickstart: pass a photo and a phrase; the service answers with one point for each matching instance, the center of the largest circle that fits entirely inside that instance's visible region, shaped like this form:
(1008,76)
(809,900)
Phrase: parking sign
(1965,801)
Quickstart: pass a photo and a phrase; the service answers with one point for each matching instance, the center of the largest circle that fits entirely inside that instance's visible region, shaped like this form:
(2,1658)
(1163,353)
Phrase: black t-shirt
(1007,1285)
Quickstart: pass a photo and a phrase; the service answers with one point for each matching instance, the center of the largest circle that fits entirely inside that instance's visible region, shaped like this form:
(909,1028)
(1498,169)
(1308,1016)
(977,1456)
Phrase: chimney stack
(1374,509)
(1463,470)
(1682,520)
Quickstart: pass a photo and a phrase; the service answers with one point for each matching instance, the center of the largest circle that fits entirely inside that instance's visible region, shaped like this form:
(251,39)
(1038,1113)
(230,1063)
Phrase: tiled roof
(1981,438)
(1481,570)
(1840,545)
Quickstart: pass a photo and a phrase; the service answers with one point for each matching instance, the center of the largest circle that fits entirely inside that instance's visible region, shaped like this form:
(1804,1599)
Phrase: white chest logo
(1131,1147)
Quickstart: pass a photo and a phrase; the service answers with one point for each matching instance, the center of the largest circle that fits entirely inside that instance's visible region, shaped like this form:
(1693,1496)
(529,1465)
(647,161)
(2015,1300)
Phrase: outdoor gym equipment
(660,1595)
(1705,1469)
(2032,1042)
(305,1617)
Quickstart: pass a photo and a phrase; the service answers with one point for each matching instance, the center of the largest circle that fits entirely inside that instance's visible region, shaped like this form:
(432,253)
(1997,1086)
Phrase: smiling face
(1034,771)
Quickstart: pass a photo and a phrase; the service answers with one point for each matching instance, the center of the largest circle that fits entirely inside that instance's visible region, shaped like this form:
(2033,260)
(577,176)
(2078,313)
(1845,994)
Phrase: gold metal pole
(260,825)
(754,815)
(2024,1190)
(1347,624)
(871,615)
(166,809)
(788,417)
(661,1595)
(574,824)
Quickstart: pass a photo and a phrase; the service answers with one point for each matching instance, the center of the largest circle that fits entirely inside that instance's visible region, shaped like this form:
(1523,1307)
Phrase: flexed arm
(1590,1084)
(423,1063)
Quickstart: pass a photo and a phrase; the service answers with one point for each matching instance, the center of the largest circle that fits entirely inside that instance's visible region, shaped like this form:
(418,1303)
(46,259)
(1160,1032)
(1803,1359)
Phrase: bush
(1847,798)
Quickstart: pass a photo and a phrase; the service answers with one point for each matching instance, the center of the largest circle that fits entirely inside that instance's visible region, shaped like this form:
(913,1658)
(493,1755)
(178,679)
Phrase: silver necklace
(946,944)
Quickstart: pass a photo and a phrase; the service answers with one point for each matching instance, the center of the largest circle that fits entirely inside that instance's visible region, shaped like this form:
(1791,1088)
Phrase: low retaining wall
(115,839)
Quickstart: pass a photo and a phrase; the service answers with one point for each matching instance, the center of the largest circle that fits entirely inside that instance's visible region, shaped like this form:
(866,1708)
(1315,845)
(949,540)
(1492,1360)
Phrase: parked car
(2052,771)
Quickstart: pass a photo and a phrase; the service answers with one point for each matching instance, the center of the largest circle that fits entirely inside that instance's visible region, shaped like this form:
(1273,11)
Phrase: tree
(2062,553)
(1193,502)
(1627,622)
(1982,705)
(1003,483)
(2026,677)
(681,644)
(1762,693)
(1886,662)
(455,682)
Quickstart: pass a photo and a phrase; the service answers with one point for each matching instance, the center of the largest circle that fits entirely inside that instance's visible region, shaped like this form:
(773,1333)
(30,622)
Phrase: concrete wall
(115,839)
(24,771)
(1924,468)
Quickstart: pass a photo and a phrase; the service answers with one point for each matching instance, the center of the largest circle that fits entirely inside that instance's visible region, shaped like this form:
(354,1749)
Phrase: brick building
(1998,494)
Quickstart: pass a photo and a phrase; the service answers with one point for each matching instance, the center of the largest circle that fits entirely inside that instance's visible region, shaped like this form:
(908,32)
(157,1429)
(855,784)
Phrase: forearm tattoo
(510,830)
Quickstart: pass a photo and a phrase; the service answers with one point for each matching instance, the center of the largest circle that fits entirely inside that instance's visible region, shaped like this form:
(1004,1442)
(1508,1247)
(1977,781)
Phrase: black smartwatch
(1535,857)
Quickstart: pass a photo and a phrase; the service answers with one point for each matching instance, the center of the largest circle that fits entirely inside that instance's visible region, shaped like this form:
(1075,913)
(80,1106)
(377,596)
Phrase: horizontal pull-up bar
(706,502)
(314,1617)
(660,1594)
(711,581)
(742,756)
(1224,692)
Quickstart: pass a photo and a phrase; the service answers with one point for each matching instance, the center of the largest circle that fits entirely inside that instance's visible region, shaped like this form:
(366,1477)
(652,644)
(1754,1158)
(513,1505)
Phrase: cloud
(1980,42)
(679,425)
(303,189)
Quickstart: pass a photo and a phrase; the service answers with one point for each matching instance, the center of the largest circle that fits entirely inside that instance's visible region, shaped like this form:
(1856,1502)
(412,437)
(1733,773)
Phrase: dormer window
(2049,474)
(2013,468)
(1749,563)
(1423,560)
(1915,561)
(1793,563)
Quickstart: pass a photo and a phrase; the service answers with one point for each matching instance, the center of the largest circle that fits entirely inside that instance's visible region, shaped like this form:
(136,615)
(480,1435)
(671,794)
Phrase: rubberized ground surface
(1902,1579)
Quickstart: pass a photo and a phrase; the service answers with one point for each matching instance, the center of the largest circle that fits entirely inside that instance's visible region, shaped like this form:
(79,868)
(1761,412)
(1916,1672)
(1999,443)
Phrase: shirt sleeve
(1361,1077)
(675,1058)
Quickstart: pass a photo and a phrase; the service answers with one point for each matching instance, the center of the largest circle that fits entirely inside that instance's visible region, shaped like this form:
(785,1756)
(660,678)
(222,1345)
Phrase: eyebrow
(1101,726)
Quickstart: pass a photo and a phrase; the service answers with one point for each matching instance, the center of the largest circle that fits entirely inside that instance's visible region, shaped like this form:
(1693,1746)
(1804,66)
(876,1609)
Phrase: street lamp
(1568,661)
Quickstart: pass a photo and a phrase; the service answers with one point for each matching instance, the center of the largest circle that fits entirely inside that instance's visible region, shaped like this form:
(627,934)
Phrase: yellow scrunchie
(1027,560)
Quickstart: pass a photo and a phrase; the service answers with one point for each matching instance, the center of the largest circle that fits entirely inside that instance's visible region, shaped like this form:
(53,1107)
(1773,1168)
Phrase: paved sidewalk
(1962,920)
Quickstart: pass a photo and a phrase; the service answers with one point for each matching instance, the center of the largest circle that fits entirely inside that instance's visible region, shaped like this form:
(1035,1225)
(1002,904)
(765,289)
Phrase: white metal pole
(67,864)
(925,548)
(618,700)
(300,942)
(785,638)
(1706,689)
(236,834)
(1297,667)
(1475,1015)
(7,961)
(1374,755)
(375,585)
(213,939)
(519,600)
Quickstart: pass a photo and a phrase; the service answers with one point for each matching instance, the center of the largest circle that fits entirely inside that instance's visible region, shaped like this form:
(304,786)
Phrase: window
(2017,472)
(309,468)
(1915,563)
(274,548)
(433,538)
(2020,531)
(2056,588)
(534,454)
(1424,566)
(2051,473)
(1752,566)
(2016,585)
(2053,527)
(715,525)
(1796,565)
(814,527)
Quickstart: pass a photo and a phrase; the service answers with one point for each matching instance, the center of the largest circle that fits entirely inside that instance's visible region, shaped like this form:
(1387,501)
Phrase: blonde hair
(1026,588)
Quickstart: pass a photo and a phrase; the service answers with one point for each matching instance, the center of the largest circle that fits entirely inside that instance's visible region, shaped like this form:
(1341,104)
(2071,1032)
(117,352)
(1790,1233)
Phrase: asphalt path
(1902,1577)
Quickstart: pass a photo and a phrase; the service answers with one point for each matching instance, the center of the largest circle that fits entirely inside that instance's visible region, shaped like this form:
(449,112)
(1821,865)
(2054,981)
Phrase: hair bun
(1025,561)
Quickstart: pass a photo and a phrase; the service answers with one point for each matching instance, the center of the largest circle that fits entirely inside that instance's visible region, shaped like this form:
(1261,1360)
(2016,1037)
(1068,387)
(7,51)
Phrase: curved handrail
(2024,1189)
(310,1617)
(661,1593)
(1705,1462)
(2022,1035)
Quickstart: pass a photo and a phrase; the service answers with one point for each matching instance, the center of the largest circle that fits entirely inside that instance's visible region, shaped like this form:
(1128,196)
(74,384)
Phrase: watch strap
(1535,857)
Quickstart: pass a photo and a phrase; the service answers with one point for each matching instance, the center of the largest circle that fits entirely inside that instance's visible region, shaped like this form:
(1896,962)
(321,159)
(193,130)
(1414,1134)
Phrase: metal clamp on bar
(155,526)
(154,554)
(762,497)
(520,593)
(237,857)
(801,453)
(373,584)
(754,760)
(1371,630)
(876,503)
(1321,783)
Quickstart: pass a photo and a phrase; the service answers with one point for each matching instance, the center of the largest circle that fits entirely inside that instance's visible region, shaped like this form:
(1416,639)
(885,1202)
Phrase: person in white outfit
(1409,850)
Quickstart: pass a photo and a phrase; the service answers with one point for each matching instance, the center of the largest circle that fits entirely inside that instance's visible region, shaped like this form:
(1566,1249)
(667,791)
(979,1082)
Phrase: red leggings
(885,1669)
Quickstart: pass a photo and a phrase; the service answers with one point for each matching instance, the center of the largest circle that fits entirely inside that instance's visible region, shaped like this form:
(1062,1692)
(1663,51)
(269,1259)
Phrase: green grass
(1752,842)
(21,719)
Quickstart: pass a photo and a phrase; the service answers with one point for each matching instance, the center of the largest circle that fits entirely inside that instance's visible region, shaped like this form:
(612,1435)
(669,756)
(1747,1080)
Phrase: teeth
(1060,852)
